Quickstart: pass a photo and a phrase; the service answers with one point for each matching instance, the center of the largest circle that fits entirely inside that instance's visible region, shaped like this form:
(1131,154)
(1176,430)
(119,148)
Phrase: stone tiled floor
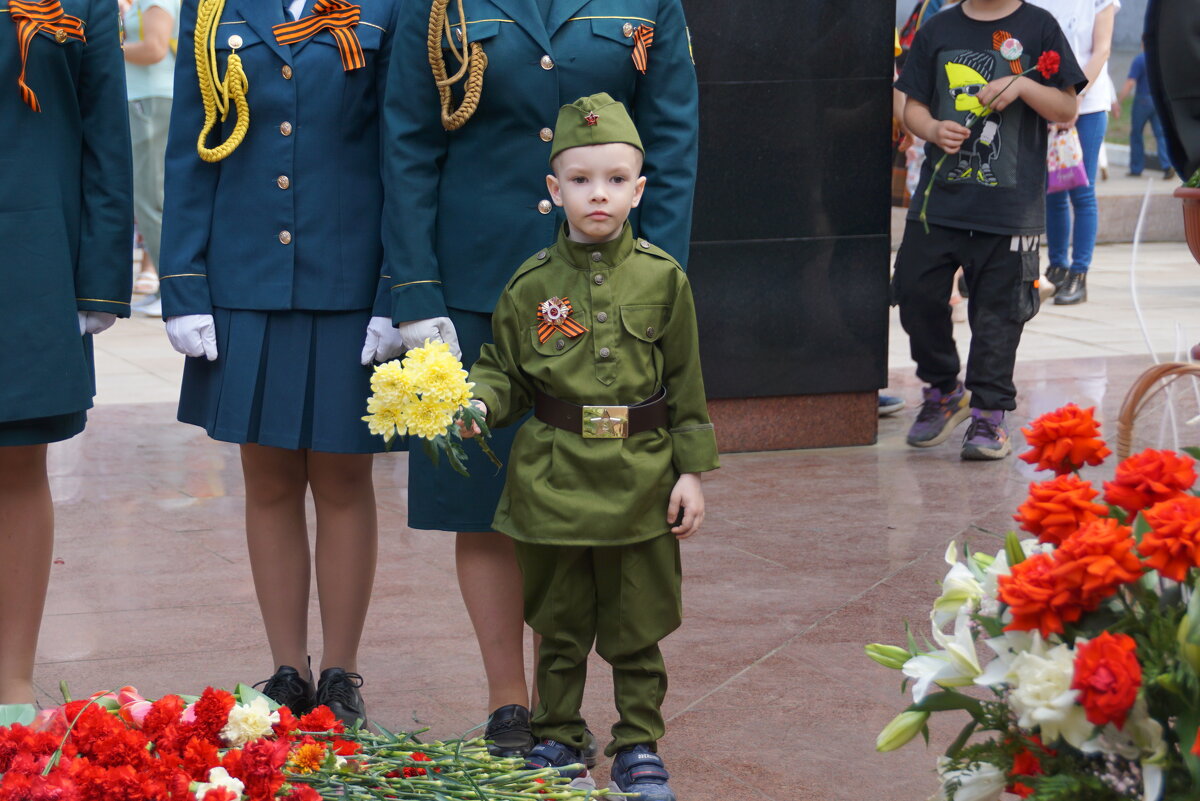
(806,556)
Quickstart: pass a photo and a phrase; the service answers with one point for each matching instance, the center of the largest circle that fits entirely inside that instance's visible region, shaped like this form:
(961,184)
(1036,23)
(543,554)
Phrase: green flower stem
(970,123)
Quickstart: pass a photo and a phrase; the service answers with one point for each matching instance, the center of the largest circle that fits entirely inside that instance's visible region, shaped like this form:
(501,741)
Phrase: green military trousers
(623,598)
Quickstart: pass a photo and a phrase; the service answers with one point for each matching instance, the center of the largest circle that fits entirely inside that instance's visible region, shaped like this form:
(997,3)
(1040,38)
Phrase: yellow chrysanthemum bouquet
(424,395)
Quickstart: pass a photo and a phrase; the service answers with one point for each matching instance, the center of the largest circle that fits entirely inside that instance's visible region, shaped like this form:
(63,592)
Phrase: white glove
(383,342)
(436,329)
(193,335)
(93,322)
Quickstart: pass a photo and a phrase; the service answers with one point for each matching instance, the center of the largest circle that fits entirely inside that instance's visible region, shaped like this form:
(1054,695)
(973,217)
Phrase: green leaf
(1140,527)
(1185,728)
(962,738)
(456,463)
(1192,450)
(430,451)
(17,713)
(1013,550)
(246,694)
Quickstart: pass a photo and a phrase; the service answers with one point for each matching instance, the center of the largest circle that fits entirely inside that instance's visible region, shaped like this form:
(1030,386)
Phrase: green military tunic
(598,562)
(636,305)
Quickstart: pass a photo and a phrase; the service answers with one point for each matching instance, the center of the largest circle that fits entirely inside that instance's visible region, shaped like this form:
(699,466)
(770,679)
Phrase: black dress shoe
(1057,276)
(338,690)
(288,688)
(1075,290)
(508,732)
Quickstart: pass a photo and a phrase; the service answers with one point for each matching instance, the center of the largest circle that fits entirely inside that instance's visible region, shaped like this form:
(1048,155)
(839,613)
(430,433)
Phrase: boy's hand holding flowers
(949,135)
(688,497)
(461,422)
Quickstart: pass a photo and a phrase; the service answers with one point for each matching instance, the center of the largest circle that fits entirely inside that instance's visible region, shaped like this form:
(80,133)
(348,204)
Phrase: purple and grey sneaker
(987,436)
(938,416)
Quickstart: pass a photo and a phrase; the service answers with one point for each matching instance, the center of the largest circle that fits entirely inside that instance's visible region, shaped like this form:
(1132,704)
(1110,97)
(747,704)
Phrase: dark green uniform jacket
(637,305)
(66,215)
(465,206)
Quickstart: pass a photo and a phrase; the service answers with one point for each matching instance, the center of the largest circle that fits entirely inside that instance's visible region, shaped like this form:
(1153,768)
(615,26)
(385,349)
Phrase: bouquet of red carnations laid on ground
(1092,692)
(241,746)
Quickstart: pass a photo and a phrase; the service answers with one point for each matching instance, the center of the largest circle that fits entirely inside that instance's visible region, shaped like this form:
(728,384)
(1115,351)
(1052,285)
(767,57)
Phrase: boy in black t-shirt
(987,208)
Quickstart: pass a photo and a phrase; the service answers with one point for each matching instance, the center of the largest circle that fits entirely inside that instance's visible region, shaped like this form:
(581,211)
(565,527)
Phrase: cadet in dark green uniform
(66,217)
(597,334)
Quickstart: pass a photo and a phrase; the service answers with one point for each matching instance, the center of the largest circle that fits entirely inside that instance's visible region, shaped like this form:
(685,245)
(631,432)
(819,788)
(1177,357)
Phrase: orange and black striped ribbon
(999,38)
(336,16)
(32,16)
(568,325)
(643,37)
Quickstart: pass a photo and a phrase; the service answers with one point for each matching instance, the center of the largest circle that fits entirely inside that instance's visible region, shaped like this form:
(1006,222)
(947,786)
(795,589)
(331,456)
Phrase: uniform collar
(581,255)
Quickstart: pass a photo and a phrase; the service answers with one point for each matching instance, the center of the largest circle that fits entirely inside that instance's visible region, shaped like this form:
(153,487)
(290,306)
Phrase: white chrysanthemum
(248,722)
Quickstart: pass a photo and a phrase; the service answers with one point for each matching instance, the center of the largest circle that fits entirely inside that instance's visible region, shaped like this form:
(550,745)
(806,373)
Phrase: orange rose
(1056,508)
(1036,598)
(1096,560)
(1149,477)
(1064,440)
(1172,546)
(1107,675)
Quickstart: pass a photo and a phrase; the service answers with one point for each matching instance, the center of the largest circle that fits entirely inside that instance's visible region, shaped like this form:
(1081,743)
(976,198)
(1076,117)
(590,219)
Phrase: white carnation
(248,722)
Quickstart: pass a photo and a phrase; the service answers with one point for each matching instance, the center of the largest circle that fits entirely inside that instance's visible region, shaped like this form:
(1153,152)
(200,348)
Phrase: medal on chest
(555,315)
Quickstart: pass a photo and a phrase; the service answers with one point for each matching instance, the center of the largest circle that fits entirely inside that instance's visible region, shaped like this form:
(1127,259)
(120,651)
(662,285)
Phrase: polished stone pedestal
(789,258)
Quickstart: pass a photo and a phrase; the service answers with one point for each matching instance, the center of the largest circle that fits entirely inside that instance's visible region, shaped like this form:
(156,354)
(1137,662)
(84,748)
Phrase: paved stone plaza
(805,556)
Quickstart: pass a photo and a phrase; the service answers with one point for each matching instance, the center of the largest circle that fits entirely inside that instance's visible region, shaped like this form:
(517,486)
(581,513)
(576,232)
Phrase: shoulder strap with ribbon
(32,16)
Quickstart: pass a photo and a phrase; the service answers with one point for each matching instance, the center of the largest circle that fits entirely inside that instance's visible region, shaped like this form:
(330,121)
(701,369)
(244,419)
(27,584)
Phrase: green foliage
(1072,787)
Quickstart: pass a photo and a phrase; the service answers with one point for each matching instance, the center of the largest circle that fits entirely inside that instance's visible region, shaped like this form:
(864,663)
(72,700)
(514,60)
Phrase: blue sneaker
(563,758)
(640,772)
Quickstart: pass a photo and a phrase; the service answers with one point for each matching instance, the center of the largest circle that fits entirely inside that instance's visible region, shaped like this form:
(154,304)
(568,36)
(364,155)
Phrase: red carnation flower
(1055,509)
(1048,63)
(1107,675)
(321,719)
(212,713)
(1172,546)
(1149,477)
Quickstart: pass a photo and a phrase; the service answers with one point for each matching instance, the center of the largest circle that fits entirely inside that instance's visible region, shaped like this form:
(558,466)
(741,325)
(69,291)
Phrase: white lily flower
(1141,737)
(979,781)
(955,664)
(960,589)
(1007,647)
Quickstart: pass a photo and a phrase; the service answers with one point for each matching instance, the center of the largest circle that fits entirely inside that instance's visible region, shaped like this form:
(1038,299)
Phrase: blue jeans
(1081,237)
(1143,112)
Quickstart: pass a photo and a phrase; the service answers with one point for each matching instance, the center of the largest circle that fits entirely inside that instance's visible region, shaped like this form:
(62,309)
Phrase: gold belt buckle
(605,422)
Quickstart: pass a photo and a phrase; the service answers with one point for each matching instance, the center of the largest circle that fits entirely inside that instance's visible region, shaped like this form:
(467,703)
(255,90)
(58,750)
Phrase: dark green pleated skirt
(41,430)
(439,498)
(286,379)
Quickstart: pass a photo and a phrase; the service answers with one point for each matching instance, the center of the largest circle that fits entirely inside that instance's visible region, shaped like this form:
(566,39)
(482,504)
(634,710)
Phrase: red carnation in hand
(1048,63)
(1149,477)
(1107,675)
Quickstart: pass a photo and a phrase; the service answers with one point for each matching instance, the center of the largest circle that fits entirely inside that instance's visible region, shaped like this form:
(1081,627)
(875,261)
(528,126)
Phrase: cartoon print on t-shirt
(966,74)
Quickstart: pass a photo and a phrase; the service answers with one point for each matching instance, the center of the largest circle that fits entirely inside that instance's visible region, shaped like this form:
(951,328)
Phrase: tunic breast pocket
(645,323)
(556,343)
(236,35)
(50,47)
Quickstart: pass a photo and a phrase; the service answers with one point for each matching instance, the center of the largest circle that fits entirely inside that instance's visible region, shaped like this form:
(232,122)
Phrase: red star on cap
(592,118)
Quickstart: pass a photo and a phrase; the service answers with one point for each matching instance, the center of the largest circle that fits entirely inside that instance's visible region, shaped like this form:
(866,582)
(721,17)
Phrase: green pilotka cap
(594,120)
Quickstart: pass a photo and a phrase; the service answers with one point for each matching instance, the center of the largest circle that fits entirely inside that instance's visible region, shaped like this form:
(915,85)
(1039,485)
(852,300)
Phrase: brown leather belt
(603,422)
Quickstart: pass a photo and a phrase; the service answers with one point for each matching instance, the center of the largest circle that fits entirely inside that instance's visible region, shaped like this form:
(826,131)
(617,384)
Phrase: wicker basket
(1147,386)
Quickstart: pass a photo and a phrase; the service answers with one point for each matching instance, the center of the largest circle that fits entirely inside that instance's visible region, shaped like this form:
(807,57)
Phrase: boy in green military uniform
(597,334)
